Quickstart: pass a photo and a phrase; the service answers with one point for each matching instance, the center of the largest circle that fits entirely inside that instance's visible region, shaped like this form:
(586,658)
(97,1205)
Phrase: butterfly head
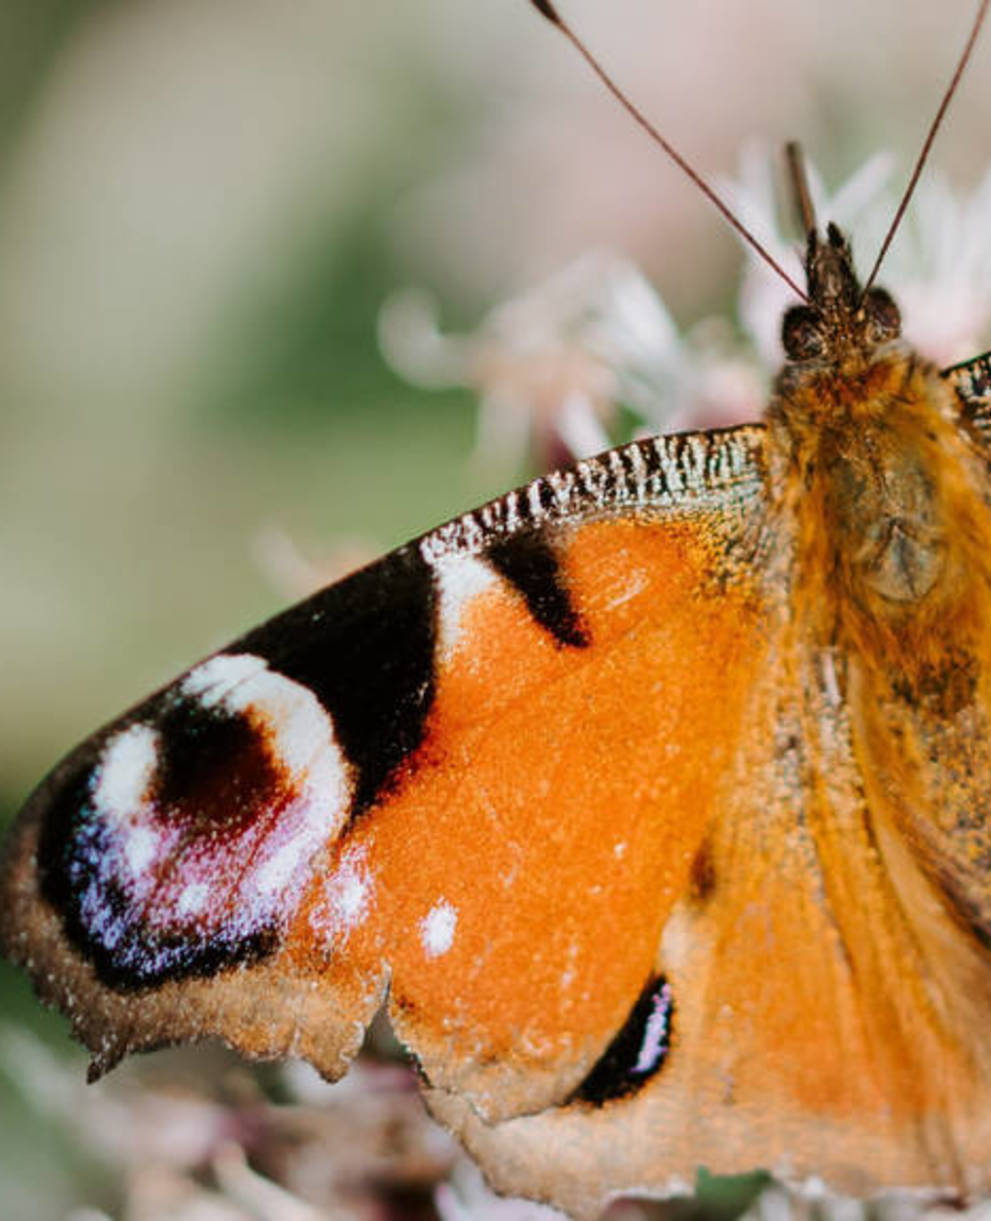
(839,318)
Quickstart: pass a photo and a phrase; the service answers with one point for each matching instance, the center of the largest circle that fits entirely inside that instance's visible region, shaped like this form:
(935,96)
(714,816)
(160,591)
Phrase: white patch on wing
(125,773)
(213,681)
(460,579)
(277,869)
(121,797)
(139,848)
(437,929)
(653,1046)
(347,899)
(193,898)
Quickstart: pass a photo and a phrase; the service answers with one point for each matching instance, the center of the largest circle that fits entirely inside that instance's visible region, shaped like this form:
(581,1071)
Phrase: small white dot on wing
(437,929)
(125,772)
(139,845)
(347,898)
(277,869)
(193,898)
(352,897)
(570,973)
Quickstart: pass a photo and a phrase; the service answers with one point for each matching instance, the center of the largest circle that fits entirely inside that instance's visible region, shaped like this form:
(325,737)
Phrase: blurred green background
(203,204)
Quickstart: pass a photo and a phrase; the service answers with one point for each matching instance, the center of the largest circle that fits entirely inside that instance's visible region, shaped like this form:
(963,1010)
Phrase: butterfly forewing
(487,758)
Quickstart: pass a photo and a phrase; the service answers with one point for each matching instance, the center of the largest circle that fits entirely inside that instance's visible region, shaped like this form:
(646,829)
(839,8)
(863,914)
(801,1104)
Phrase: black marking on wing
(365,647)
(637,1052)
(529,563)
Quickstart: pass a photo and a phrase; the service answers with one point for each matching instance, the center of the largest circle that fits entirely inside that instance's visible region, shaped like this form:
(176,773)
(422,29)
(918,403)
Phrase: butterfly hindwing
(431,781)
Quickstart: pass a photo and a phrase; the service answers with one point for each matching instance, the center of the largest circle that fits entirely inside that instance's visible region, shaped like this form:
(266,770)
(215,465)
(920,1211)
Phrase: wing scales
(361,686)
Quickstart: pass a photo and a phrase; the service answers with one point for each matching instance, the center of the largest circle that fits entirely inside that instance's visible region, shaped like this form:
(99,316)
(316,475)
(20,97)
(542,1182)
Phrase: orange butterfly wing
(828,957)
(475,777)
(582,786)
(554,813)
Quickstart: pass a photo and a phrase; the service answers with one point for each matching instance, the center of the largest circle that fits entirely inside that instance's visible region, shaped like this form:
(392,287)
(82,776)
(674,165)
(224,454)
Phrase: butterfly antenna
(930,137)
(552,15)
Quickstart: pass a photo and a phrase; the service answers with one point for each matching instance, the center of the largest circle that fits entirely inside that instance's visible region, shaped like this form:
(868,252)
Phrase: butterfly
(651,800)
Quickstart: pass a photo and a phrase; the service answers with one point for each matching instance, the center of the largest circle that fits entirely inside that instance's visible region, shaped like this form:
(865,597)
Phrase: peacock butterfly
(651,800)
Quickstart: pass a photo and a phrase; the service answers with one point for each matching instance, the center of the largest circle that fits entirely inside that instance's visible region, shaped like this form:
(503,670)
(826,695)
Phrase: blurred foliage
(30,37)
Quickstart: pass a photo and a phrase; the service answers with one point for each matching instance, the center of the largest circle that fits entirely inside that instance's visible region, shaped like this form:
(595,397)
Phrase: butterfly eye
(884,321)
(801,333)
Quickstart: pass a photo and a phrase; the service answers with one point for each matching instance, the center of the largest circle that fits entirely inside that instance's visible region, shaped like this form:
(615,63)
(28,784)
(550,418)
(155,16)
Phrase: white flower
(552,366)
(536,363)
(939,268)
